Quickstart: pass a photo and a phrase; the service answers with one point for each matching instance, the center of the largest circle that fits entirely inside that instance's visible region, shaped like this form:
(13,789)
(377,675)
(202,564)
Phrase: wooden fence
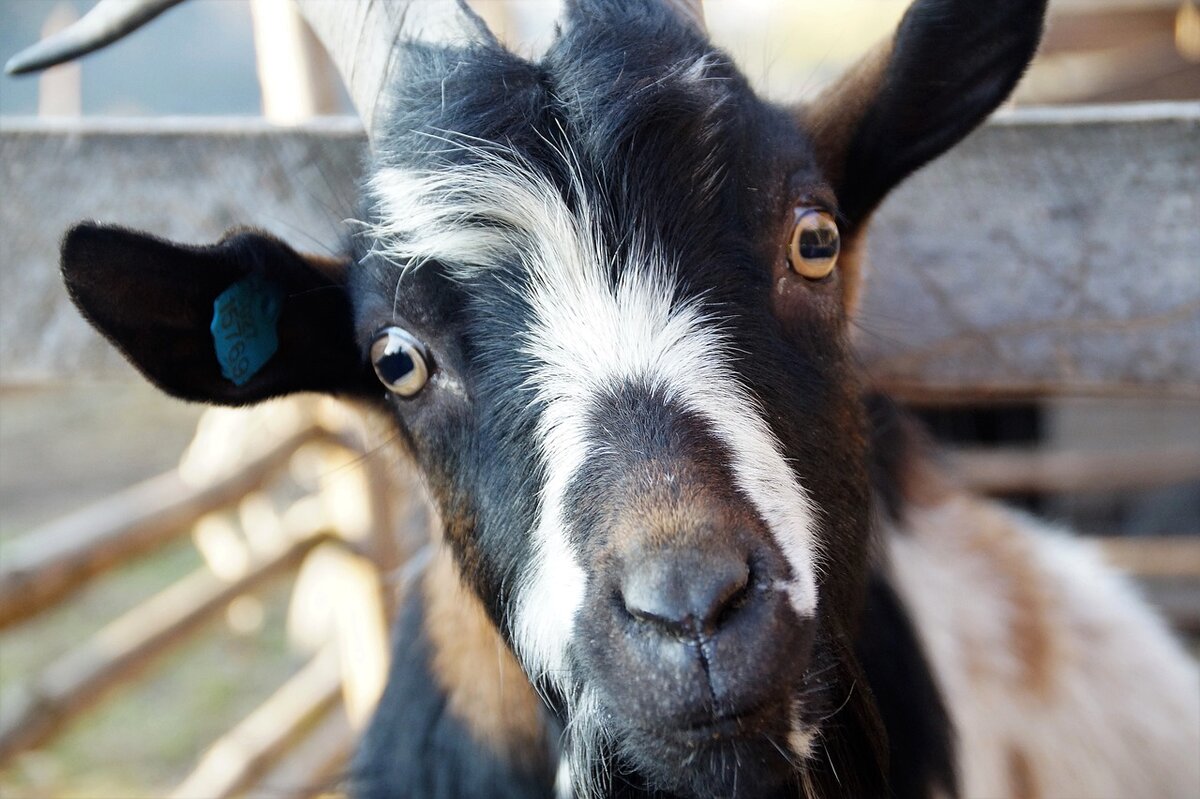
(302,734)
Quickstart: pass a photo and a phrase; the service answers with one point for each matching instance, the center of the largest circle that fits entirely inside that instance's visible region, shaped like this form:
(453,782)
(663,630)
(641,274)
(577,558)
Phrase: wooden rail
(302,734)
(242,756)
(1157,557)
(1168,571)
(1052,253)
(116,653)
(49,563)
(313,766)
(1009,471)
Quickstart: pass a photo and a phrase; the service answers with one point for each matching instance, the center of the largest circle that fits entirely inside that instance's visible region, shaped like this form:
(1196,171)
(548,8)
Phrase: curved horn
(104,24)
(360,35)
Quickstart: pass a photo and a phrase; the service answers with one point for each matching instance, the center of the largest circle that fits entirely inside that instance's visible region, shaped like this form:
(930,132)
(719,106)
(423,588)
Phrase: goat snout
(685,639)
(685,594)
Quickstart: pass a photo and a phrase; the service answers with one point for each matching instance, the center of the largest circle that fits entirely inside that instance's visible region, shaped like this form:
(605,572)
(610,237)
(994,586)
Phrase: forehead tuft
(632,120)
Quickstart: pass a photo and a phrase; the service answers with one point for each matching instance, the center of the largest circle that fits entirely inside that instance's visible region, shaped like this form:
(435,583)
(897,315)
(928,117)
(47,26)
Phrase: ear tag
(243,327)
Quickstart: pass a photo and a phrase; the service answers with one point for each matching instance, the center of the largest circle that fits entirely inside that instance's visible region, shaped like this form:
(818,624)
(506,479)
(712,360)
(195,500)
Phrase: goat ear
(155,301)
(949,65)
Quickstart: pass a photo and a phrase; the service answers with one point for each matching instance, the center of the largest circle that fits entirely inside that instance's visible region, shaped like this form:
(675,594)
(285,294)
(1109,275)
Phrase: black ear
(950,64)
(284,324)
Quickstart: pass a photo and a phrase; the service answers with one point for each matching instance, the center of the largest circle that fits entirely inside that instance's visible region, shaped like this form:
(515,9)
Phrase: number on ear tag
(243,327)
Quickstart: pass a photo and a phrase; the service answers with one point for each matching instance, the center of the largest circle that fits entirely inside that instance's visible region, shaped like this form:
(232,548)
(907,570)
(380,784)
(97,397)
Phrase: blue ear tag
(243,327)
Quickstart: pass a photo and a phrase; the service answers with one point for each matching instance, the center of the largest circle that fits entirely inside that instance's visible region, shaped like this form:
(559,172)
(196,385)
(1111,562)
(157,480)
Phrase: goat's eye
(813,250)
(399,361)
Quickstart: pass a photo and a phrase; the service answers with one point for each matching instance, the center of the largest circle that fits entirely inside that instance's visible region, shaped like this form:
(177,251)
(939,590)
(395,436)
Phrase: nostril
(684,593)
(728,593)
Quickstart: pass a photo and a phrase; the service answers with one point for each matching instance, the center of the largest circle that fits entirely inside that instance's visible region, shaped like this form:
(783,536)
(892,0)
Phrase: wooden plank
(1007,471)
(314,767)
(1074,6)
(186,179)
(1175,557)
(1052,253)
(117,653)
(1093,29)
(244,754)
(48,564)
(1167,570)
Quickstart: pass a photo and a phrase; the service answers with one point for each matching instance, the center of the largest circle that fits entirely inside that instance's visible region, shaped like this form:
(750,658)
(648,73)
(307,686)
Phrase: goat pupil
(818,244)
(394,366)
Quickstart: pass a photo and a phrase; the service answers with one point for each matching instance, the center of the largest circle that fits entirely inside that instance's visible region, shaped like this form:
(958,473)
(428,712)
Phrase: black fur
(899,455)
(154,300)
(646,110)
(952,63)
(920,734)
(415,749)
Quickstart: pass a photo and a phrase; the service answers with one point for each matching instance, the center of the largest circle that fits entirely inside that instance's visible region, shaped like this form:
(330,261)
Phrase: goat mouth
(740,724)
(733,724)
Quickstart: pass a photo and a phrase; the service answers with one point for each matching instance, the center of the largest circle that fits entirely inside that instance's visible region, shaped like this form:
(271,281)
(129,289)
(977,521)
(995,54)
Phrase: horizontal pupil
(395,366)
(817,245)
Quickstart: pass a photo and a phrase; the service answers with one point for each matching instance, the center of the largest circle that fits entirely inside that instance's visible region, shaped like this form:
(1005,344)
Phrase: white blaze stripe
(587,338)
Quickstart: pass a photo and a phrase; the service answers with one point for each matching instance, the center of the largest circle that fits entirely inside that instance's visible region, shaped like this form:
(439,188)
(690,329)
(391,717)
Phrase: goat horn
(361,37)
(104,24)
(692,11)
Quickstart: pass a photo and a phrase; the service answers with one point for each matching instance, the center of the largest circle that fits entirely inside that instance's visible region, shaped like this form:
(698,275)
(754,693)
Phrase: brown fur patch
(485,686)
(850,267)
(926,485)
(1021,782)
(673,494)
(677,503)
(1029,602)
(832,119)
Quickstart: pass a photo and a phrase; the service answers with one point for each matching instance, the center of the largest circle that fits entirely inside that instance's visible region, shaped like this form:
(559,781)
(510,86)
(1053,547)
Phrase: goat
(604,298)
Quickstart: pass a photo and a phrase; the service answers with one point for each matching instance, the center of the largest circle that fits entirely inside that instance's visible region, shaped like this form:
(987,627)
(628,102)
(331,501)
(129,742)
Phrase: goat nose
(684,593)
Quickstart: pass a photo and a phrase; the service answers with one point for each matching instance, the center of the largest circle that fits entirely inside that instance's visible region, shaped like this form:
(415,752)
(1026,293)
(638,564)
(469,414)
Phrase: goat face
(640,424)
(597,291)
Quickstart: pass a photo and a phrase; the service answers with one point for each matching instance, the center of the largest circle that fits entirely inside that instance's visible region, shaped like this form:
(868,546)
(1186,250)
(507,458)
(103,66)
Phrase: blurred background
(134,709)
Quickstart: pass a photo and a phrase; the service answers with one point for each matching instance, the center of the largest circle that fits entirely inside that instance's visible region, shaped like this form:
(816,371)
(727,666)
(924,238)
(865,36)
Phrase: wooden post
(296,77)
(60,92)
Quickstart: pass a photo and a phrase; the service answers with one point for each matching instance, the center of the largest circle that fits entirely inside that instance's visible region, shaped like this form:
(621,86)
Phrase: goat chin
(746,754)
(704,763)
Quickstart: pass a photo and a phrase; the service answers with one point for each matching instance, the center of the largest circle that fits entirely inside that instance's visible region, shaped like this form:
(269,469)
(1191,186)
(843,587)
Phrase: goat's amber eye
(813,250)
(399,361)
